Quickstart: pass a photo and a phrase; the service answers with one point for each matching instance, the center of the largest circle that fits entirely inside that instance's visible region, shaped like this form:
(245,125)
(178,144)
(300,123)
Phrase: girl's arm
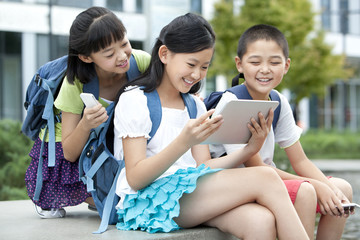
(305,168)
(141,171)
(327,193)
(75,130)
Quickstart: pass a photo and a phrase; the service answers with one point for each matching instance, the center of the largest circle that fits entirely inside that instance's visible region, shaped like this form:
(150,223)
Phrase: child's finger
(270,118)
(263,122)
(211,126)
(205,116)
(255,124)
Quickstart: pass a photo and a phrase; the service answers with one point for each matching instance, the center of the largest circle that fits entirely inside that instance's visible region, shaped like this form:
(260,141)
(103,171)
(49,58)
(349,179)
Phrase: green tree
(14,150)
(313,65)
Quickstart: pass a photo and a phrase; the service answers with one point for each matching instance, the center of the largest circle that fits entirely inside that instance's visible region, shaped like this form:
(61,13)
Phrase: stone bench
(18,220)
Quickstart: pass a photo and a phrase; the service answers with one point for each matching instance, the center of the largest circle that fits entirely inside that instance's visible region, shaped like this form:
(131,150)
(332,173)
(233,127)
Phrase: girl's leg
(305,205)
(90,201)
(248,221)
(225,190)
(331,227)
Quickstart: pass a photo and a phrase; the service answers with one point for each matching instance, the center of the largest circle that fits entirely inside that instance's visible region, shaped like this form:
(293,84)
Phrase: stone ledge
(18,220)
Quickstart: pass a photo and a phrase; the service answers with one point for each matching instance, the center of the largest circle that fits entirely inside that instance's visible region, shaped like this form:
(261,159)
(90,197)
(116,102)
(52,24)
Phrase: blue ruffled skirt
(153,208)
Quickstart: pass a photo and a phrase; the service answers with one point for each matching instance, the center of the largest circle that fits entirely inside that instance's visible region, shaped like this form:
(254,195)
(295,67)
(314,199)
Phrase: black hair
(188,33)
(262,32)
(92,30)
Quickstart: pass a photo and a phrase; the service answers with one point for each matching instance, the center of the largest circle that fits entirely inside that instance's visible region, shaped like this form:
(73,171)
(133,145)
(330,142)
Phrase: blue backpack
(98,167)
(39,103)
(241,92)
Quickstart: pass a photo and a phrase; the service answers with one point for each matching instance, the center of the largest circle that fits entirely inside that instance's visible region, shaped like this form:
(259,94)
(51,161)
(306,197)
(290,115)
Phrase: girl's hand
(198,130)
(341,196)
(330,201)
(259,131)
(93,117)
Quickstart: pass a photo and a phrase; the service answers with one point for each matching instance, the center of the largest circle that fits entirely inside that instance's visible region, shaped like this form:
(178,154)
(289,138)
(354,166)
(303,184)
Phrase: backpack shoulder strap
(92,87)
(240,91)
(49,77)
(213,99)
(131,74)
(154,105)
(134,71)
(155,110)
(274,96)
(190,104)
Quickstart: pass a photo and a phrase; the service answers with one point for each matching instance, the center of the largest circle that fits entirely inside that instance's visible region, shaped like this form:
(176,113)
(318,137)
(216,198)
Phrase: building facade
(33,32)
(340,109)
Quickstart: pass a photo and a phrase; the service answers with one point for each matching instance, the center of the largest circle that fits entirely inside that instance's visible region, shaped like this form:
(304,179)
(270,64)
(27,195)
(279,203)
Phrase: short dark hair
(262,32)
(92,30)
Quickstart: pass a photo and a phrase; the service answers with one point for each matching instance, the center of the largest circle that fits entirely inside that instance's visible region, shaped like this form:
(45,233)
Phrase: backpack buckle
(26,105)
(38,79)
(89,152)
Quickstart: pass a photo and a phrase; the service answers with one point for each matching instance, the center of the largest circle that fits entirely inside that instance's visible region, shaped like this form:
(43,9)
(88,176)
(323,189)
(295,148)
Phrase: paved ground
(338,165)
(18,220)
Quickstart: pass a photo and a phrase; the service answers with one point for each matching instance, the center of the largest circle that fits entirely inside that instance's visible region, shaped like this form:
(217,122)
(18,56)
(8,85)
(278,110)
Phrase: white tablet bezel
(237,114)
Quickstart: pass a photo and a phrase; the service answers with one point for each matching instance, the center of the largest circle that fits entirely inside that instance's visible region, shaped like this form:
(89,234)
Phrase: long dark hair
(188,33)
(92,30)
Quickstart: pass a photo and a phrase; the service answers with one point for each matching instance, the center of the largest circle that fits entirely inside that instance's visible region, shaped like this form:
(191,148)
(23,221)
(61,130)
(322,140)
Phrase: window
(196,6)
(115,5)
(137,45)
(58,46)
(344,16)
(10,76)
(139,6)
(68,3)
(326,14)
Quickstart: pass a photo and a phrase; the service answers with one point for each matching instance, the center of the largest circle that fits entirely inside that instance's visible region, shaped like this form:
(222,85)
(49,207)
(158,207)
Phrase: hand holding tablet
(237,114)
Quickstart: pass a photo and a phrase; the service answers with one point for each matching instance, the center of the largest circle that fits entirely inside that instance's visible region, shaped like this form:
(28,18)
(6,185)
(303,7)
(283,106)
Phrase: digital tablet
(237,114)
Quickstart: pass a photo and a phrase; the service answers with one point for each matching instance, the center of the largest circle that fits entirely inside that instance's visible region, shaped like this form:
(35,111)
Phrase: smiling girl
(171,182)
(99,50)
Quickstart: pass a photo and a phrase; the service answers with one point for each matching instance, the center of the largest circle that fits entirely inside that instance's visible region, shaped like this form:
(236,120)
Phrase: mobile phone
(350,206)
(88,99)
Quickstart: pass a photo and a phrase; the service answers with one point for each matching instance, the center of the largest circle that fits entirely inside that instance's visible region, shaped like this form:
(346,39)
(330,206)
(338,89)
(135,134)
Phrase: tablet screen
(237,114)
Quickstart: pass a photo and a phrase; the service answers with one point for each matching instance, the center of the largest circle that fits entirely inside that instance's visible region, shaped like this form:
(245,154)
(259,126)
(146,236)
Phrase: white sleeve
(286,131)
(132,117)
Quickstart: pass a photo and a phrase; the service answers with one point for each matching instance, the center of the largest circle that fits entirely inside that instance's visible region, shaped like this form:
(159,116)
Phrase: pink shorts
(293,188)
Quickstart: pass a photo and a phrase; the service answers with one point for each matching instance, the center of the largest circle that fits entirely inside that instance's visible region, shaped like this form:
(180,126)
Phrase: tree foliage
(313,65)
(14,160)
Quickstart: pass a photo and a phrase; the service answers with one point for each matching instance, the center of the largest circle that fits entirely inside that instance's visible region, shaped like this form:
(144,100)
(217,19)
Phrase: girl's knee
(262,222)
(258,222)
(268,172)
(344,186)
(265,218)
(307,191)
(306,196)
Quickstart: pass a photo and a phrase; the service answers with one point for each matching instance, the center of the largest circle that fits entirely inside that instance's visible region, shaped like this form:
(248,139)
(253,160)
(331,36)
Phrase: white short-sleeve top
(286,134)
(132,119)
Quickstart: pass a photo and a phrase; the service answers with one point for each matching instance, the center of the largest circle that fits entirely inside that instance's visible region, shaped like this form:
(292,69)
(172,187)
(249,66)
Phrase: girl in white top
(157,175)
